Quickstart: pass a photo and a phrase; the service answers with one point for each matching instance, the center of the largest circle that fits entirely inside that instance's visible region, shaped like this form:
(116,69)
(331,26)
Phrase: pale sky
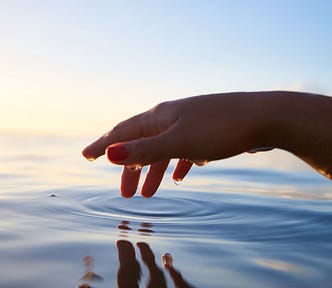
(83,66)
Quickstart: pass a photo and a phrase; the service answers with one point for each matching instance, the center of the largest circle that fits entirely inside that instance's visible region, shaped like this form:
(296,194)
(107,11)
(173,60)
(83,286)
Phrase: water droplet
(91,159)
(177,181)
(200,162)
(134,168)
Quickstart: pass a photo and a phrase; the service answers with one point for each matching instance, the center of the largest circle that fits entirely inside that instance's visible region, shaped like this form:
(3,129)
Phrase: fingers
(146,124)
(124,131)
(153,178)
(145,150)
(129,181)
(181,170)
(131,176)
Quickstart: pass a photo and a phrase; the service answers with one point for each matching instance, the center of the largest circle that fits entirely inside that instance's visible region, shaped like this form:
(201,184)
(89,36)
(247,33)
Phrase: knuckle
(157,118)
(163,116)
(160,107)
(143,150)
(117,132)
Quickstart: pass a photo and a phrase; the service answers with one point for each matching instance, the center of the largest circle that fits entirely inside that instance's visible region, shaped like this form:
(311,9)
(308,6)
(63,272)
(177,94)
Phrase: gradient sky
(82,66)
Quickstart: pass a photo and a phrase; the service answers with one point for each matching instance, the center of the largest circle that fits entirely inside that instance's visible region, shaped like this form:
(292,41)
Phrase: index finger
(146,124)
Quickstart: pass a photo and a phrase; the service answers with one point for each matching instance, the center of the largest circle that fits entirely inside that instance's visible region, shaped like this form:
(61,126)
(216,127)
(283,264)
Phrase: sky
(74,66)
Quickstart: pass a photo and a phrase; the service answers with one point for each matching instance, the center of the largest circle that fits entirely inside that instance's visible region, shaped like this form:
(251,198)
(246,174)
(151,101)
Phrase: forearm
(302,124)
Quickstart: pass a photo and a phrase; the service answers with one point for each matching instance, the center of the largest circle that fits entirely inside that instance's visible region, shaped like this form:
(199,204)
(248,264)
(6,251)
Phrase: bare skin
(212,127)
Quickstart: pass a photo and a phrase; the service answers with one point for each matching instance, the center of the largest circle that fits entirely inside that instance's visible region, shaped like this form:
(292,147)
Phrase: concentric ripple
(223,216)
(165,209)
(168,212)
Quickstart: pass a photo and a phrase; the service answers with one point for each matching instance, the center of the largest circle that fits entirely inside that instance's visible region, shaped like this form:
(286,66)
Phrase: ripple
(169,213)
(165,209)
(194,215)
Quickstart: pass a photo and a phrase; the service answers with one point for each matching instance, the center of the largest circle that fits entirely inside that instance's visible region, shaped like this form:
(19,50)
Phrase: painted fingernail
(117,153)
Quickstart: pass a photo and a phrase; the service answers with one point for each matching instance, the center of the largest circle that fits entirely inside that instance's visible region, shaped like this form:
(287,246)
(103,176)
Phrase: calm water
(251,221)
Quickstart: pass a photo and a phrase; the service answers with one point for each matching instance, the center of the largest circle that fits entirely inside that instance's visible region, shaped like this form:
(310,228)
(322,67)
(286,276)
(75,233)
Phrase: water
(252,221)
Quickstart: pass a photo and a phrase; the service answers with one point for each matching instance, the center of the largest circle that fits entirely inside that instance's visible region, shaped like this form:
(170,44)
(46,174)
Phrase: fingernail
(117,153)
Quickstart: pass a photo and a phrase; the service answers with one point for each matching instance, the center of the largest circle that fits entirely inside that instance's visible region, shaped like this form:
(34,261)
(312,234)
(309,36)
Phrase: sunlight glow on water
(248,227)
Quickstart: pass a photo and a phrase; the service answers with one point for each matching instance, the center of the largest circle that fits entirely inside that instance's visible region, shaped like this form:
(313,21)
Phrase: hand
(194,130)
(205,128)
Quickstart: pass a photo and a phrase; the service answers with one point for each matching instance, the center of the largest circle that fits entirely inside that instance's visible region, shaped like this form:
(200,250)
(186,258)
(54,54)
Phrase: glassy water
(252,221)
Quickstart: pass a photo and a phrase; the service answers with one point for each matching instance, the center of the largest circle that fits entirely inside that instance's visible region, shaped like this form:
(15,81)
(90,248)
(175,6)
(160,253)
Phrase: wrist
(279,118)
(268,121)
(299,123)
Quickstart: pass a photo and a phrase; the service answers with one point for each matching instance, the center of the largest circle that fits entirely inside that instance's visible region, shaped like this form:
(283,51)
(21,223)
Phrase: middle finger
(154,177)
(129,181)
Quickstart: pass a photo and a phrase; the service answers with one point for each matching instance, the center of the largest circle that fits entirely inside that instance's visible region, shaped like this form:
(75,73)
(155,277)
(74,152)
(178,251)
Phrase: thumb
(143,151)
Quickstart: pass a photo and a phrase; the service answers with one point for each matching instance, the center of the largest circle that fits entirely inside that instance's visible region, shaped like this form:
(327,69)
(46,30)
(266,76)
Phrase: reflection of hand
(129,271)
(212,127)
(177,278)
(89,276)
(156,276)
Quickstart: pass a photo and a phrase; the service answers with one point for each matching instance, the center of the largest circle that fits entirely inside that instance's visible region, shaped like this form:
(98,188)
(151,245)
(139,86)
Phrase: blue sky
(83,66)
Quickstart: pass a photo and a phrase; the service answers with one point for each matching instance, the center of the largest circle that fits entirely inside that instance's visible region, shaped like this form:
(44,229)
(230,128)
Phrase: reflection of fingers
(157,278)
(167,260)
(176,276)
(126,250)
(181,170)
(147,254)
(153,178)
(129,271)
(129,182)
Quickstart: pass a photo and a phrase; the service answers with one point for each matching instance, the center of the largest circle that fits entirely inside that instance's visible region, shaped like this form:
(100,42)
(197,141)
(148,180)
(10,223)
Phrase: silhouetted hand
(205,128)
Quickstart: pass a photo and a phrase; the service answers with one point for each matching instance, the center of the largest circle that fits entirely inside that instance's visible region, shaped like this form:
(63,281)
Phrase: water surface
(251,221)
